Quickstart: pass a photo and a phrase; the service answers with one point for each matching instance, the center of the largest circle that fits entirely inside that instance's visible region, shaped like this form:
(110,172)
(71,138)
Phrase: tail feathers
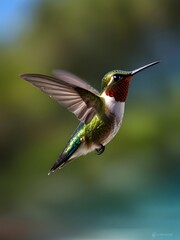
(64,158)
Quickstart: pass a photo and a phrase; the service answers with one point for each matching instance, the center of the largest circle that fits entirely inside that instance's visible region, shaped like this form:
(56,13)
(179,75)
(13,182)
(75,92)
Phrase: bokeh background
(132,191)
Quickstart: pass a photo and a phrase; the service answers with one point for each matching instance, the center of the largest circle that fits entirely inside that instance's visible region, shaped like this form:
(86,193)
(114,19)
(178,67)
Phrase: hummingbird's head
(116,83)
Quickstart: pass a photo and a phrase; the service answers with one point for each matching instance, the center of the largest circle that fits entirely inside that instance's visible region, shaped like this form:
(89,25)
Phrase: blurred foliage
(89,38)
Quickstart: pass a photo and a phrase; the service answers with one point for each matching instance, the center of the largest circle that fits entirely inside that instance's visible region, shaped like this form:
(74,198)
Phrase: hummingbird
(100,113)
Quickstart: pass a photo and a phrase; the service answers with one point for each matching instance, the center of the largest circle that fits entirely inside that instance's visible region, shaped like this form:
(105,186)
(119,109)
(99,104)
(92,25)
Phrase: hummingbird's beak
(142,68)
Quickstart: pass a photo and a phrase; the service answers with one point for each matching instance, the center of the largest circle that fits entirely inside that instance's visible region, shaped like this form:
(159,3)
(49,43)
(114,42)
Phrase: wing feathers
(70,91)
(73,79)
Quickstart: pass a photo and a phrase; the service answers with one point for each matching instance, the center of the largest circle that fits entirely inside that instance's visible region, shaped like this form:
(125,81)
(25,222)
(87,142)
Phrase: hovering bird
(101,114)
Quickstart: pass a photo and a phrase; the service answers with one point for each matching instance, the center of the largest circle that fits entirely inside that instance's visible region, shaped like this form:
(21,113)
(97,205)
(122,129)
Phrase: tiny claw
(101,149)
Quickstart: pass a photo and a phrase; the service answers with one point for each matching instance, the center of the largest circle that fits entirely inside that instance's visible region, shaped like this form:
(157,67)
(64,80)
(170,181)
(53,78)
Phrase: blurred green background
(132,190)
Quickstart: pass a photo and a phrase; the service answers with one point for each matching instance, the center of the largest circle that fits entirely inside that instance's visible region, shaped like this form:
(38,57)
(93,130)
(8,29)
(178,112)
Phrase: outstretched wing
(73,80)
(71,92)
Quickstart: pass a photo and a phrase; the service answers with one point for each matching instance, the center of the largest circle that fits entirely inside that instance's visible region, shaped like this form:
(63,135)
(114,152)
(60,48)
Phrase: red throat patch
(119,90)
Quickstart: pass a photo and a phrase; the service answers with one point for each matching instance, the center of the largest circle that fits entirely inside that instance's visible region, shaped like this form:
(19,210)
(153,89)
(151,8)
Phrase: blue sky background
(14,17)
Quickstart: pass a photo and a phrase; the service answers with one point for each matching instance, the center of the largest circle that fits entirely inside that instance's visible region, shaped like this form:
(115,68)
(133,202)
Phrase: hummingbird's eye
(116,77)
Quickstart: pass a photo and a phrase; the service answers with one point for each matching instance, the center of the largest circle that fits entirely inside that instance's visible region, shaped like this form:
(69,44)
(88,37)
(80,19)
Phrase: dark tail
(71,147)
(62,160)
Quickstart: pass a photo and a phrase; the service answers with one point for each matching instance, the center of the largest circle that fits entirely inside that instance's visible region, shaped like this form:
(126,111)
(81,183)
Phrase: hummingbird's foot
(101,149)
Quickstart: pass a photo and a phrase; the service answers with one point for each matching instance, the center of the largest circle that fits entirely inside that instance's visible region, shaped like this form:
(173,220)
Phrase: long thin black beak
(142,68)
